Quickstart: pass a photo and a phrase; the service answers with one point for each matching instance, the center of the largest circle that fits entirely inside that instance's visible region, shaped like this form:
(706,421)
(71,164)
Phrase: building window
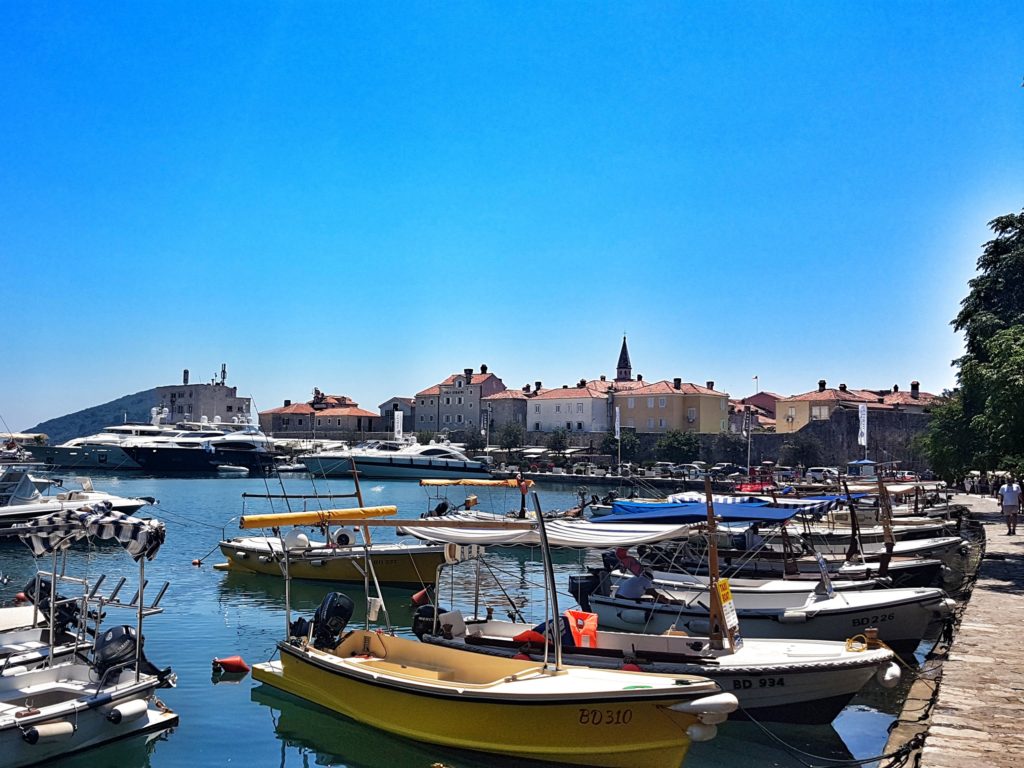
(791,412)
(579,407)
(431,401)
(661,402)
(285,422)
(300,422)
(721,426)
(181,409)
(228,408)
(459,418)
(471,390)
(650,402)
(422,417)
(558,409)
(579,425)
(470,405)
(431,417)
(458,401)
(650,423)
(629,402)
(661,423)
(722,403)
(536,407)
(536,426)
(568,426)
(691,415)
(447,419)
(447,401)
(423,402)
(318,422)
(459,383)
(819,412)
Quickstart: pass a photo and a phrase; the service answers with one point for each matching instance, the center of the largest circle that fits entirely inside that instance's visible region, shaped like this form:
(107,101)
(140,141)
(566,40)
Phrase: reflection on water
(133,752)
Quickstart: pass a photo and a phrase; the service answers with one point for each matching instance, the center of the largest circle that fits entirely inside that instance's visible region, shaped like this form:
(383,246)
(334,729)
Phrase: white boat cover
(561,533)
(141,538)
(810,506)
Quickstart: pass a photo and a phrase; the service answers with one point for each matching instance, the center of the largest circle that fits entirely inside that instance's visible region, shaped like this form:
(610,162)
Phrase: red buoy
(20,598)
(630,668)
(422,597)
(197,563)
(522,657)
(231,664)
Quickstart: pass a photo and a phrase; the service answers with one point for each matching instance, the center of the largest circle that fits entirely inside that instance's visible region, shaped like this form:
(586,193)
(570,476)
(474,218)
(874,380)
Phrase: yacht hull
(173,460)
(83,457)
(393,467)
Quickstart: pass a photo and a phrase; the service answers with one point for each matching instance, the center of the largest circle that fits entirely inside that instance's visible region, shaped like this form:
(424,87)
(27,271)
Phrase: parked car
(663,468)
(541,465)
(725,470)
(822,474)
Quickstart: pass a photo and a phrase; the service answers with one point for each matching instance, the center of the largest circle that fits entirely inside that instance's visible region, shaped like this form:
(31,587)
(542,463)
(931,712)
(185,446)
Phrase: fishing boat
(108,692)
(521,709)
(779,680)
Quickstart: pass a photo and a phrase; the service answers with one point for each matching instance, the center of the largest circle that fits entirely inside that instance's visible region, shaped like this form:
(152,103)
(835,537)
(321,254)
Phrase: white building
(574,409)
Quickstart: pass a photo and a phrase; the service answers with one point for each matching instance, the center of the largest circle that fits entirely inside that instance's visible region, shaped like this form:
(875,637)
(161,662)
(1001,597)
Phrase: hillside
(91,420)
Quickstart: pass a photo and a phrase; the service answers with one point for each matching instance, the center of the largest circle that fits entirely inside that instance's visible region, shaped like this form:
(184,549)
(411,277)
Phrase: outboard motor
(582,587)
(330,620)
(423,620)
(115,646)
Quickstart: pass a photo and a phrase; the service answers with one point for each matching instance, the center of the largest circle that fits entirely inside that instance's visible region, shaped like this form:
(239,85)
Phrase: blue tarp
(692,512)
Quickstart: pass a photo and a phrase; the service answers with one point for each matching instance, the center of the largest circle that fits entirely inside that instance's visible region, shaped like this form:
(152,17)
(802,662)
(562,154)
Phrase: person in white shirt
(1009,497)
(637,586)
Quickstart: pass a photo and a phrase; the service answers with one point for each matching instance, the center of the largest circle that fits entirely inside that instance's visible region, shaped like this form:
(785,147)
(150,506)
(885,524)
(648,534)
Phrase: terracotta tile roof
(905,398)
(347,411)
(293,408)
(832,395)
(433,391)
(508,394)
(476,378)
(668,388)
(570,393)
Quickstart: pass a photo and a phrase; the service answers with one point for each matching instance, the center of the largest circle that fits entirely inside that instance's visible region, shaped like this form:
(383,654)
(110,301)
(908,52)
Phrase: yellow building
(795,413)
(673,405)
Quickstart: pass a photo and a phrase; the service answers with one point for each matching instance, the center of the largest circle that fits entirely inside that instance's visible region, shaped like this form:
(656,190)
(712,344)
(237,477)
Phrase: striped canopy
(47,533)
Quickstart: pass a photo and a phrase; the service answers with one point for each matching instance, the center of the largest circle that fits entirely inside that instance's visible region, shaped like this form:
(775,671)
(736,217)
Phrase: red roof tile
(508,394)
(346,411)
(668,388)
(293,408)
(568,393)
(832,395)
(905,398)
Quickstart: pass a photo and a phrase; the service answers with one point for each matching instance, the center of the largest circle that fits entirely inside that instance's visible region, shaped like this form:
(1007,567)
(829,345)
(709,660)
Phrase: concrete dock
(977,718)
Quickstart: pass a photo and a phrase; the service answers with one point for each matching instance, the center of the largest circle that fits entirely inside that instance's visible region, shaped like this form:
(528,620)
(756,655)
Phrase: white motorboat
(23,501)
(797,681)
(395,459)
(104,695)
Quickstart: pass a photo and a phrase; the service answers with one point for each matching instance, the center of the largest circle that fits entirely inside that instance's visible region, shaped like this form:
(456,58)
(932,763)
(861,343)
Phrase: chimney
(483,367)
(602,377)
(842,387)
(184,377)
(536,386)
(287,403)
(677,383)
(895,388)
(526,389)
(639,377)
(915,389)
(582,384)
(223,372)
(711,385)
(469,375)
(821,385)
(565,386)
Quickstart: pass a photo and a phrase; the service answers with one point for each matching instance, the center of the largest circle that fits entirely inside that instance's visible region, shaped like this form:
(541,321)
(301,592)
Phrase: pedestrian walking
(1009,498)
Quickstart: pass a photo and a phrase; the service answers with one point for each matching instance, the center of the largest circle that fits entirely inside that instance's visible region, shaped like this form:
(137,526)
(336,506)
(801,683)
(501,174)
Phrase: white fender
(702,732)
(296,539)
(61,730)
(723,703)
(888,675)
(127,711)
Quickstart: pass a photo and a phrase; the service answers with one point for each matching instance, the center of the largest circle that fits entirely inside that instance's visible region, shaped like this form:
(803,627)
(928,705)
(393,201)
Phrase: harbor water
(211,613)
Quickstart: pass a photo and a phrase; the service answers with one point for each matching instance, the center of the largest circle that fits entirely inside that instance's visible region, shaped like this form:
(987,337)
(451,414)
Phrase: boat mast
(716,613)
(549,583)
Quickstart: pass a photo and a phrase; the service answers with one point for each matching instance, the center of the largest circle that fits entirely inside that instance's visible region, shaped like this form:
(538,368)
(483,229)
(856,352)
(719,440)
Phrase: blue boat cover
(694,512)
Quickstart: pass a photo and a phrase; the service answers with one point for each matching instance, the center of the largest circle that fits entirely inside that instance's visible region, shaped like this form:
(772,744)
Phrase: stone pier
(978,717)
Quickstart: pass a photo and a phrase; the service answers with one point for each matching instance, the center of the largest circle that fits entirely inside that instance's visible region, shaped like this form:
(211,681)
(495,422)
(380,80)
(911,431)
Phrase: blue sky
(366,199)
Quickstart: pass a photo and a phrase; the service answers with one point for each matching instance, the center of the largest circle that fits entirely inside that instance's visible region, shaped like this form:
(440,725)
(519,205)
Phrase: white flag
(862,433)
(616,422)
(398,424)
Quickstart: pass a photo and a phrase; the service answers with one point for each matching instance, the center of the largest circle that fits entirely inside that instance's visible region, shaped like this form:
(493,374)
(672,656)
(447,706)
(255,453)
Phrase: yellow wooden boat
(572,715)
(342,558)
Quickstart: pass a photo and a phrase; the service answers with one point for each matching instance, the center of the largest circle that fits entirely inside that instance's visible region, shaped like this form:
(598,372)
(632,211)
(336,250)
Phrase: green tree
(510,436)
(558,441)
(731,448)
(424,437)
(802,450)
(475,442)
(630,444)
(981,424)
(678,447)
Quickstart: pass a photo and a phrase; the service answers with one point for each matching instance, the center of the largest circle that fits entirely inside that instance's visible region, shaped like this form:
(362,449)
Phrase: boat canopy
(507,483)
(561,533)
(48,533)
(729,512)
(315,517)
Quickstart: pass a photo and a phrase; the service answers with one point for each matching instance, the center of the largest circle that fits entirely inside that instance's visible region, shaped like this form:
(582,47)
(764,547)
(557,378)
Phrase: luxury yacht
(395,458)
